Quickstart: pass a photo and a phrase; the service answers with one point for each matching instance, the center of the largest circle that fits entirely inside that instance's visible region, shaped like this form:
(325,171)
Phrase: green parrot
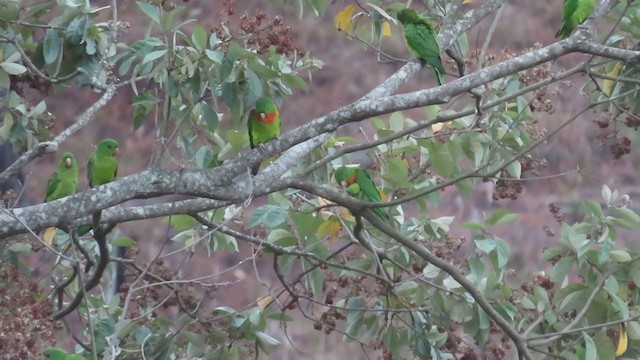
(359,184)
(264,125)
(59,354)
(103,163)
(102,168)
(63,182)
(575,13)
(422,40)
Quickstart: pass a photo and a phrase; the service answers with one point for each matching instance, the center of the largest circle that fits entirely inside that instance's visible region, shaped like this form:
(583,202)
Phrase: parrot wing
(423,43)
(371,193)
(566,26)
(52,185)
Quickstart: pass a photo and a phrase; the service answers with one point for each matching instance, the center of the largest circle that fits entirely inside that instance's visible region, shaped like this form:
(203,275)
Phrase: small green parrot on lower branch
(575,12)
(264,125)
(359,184)
(59,354)
(102,168)
(422,40)
(63,182)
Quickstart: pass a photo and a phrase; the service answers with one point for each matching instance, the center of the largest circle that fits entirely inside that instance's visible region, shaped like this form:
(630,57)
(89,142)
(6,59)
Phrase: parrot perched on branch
(102,168)
(63,182)
(575,13)
(59,354)
(359,184)
(422,40)
(264,125)
(103,163)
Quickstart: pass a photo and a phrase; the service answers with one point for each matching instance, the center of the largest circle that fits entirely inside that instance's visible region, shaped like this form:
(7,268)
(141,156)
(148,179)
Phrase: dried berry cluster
(43,86)
(448,249)
(620,148)
(507,189)
(556,212)
(25,324)
(259,32)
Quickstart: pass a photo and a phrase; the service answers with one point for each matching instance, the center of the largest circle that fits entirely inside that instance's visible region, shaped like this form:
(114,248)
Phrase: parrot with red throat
(264,125)
(359,184)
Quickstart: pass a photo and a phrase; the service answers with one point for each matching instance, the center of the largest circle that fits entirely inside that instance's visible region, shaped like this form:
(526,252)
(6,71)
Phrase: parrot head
(408,16)
(345,176)
(68,160)
(265,110)
(108,147)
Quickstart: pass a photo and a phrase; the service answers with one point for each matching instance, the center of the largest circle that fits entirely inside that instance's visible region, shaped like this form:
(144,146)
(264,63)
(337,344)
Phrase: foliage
(403,290)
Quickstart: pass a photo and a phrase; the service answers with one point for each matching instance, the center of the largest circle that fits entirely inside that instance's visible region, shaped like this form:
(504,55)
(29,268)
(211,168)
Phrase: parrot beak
(116,152)
(343,184)
(262,116)
(68,162)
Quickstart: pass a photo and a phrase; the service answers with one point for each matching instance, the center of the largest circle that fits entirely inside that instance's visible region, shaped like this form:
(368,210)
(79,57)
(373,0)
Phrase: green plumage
(103,163)
(63,182)
(102,168)
(575,12)
(422,40)
(264,125)
(60,354)
(359,184)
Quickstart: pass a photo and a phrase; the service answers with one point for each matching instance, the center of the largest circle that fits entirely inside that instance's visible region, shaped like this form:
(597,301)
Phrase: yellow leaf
(346,215)
(439,126)
(330,229)
(607,84)
(343,19)
(386,29)
(48,235)
(623,341)
(265,301)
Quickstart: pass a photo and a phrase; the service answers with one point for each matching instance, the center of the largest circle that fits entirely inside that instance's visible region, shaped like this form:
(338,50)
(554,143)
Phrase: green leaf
(13,68)
(268,215)
(153,55)
(486,246)
(561,269)
(199,37)
(52,45)
(619,256)
(210,117)
(204,155)
(123,241)
(319,6)
(227,66)
(150,10)
(296,81)
(628,215)
(255,84)
(181,222)
(441,158)
(591,352)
